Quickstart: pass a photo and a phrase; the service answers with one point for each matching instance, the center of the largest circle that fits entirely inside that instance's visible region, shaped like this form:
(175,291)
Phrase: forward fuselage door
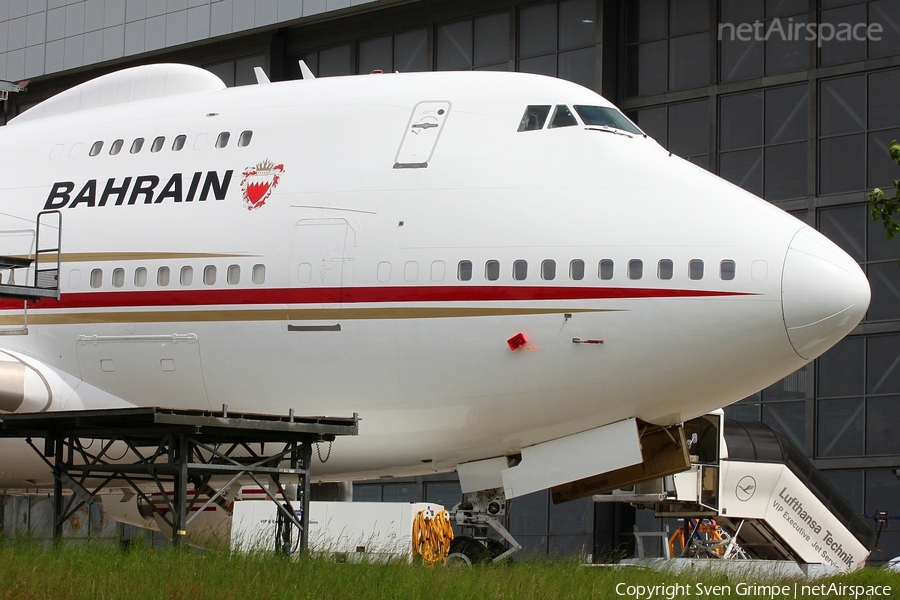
(422,133)
(318,271)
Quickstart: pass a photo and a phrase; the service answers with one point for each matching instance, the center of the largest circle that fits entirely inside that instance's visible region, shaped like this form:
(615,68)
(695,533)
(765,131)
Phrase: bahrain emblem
(258,182)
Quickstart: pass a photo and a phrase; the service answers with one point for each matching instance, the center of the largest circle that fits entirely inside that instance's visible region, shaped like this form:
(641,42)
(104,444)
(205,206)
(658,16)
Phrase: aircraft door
(421,136)
(319,268)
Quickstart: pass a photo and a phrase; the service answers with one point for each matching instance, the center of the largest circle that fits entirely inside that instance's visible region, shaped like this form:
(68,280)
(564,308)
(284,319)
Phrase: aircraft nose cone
(824,293)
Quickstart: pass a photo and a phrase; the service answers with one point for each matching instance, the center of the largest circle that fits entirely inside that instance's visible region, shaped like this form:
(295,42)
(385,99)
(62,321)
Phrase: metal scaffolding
(170,450)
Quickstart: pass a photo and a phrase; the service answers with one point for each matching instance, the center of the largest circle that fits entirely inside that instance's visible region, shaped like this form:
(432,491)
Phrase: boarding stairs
(751,493)
(30,264)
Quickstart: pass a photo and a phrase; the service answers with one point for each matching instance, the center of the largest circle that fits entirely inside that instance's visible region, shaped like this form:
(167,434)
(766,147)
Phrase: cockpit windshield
(534,118)
(602,116)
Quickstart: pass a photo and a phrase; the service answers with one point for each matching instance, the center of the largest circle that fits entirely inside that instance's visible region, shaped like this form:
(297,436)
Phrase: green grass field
(31,571)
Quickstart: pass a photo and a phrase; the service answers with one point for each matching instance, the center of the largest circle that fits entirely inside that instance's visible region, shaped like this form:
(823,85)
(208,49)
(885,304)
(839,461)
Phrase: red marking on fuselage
(353,295)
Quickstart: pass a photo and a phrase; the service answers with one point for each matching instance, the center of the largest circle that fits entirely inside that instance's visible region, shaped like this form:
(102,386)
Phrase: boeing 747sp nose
(824,293)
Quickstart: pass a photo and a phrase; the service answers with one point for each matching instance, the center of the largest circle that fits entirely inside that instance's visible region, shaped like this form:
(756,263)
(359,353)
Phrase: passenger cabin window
(96,148)
(464,270)
(635,269)
(209,275)
(222,140)
(162,277)
(695,269)
(548,270)
(140,277)
(603,116)
(118,277)
(116,147)
(258,276)
(157,144)
(665,269)
(187,276)
(534,118)
(606,269)
(233,277)
(576,270)
(520,270)
(492,270)
(562,117)
(136,145)
(178,143)
(726,270)
(96,278)
(245,138)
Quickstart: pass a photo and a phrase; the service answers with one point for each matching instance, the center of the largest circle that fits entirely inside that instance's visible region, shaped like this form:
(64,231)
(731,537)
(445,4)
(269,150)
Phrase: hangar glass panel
(411,51)
(882,170)
(840,427)
(883,364)
(398,492)
(792,387)
(537,30)
(454,46)
(367,492)
(541,65)
(836,50)
(688,130)
(741,121)
(787,417)
(491,40)
(772,49)
(882,490)
(846,227)
(762,140)
(667,46)
(882,425)
(578,66)
(446,493)
(376,54)
(841,370)
(857,120)
(884,280)
(558,39)
(743,168)
(335,61)
(851,484)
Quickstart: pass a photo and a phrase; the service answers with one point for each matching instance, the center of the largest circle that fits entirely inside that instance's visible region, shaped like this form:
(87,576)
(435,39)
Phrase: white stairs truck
(765,498)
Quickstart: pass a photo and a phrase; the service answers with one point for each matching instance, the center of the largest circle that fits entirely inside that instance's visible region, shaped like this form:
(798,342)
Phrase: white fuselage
(362,308)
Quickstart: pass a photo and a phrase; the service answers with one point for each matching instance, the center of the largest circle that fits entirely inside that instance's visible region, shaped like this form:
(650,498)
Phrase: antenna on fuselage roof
(305,73)
(261,76)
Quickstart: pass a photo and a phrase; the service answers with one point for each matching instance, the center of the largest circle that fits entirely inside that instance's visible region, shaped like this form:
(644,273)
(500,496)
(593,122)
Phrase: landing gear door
(421,135)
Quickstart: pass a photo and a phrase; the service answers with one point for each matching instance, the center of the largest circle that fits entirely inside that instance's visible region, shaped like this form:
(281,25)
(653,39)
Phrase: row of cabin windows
(185,276)
(177,144)
(665,270)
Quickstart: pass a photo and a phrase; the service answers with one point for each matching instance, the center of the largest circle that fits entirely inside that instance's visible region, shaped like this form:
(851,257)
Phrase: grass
(31,571)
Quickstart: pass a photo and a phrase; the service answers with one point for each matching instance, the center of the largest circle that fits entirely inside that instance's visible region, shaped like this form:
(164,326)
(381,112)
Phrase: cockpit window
(602,116)
(534,118)
(563,117)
